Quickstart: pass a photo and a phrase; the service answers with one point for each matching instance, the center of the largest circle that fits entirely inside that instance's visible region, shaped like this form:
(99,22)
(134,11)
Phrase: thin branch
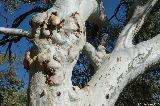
(96,57)
(4,41)
(5,18)
(116,11)
(15,32)
(127,4)
(19,19)
(21,33)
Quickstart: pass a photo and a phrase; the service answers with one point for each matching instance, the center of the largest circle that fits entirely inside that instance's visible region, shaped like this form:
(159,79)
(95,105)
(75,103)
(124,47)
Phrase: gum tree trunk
(59,35)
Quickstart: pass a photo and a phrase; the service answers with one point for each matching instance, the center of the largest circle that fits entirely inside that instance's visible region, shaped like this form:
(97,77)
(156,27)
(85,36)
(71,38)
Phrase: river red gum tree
(59,35)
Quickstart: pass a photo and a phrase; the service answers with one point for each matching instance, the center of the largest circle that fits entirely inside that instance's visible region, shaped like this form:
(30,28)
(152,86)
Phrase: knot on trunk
(56,29)
(58,41)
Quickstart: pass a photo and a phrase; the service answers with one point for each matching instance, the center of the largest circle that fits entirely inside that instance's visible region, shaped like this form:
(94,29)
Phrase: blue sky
(110,5)
(21,47)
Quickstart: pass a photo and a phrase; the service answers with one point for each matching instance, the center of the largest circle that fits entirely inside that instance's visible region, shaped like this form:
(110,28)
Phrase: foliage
(10,5)
(5,57)
(11,87)
(145,89)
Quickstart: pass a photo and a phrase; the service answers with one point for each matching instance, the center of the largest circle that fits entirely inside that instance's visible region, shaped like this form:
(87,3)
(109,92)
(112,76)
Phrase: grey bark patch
(113,94)
(139,59)
(38,102)
(100,77)
(118,78)
(73,88)
(111,87)
(58,93)
(107,96)
(42,94)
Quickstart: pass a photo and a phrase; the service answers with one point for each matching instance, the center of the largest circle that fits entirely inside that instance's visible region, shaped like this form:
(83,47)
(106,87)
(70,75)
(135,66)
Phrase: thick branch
(135,23)
(96,57)
(15,32)
(149,51)
(123,66)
